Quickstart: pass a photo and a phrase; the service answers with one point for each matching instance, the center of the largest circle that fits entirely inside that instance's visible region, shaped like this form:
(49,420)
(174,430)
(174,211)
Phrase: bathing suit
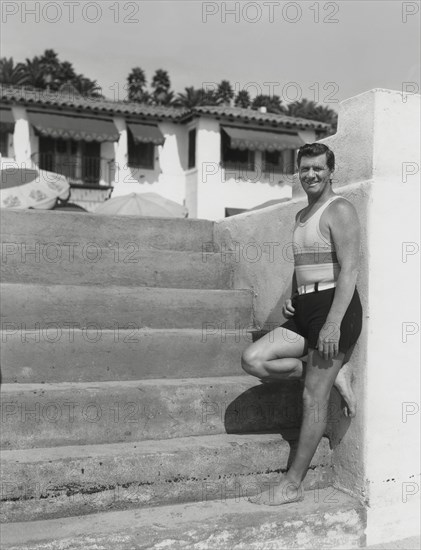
(315,261)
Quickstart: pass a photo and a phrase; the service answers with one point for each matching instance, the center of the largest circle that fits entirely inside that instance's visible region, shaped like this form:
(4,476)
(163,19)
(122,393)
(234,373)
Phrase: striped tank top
(314,256)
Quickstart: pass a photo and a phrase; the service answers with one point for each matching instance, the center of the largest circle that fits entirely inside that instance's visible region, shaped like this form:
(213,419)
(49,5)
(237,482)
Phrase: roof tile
(12,94)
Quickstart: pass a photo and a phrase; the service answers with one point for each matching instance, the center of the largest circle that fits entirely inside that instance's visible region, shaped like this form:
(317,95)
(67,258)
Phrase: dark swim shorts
(311,311)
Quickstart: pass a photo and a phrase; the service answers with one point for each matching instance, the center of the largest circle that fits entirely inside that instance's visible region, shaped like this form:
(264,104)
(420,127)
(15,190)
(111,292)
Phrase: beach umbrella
(69,207)
(31,188)
(143,205)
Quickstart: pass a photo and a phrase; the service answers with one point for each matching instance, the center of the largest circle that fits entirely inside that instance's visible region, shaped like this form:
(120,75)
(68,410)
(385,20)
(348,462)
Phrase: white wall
(107,156)
(25,142)
(376,456)
(392,393)
(220,188)
(167,178)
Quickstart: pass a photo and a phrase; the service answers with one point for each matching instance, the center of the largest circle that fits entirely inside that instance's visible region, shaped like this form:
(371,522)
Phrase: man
(324,314)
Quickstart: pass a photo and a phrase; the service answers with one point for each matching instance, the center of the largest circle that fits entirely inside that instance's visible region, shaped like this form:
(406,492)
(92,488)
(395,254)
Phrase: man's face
(314,174)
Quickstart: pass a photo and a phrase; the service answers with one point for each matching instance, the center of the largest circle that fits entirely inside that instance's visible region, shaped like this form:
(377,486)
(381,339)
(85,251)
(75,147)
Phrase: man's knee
(251,361)
(315,395)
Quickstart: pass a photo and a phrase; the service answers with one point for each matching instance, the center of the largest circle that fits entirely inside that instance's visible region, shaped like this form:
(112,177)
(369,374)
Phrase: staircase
(127,421)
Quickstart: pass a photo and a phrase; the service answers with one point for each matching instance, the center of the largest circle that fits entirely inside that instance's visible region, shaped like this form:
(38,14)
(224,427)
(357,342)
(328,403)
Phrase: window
(77,160)
(235,158)
(279,161)
(141,155)
(272,161)
(4,144)
(192,149)
(290,160)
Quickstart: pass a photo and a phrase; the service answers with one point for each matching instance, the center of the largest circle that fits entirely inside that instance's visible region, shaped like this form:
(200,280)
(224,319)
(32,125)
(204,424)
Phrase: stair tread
(243,379)
(149,232)
(335,518)
(124,288)
(147,446)
(143,329)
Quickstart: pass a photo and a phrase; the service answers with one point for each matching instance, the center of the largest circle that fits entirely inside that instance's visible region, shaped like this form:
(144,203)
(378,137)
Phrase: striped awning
(261,140)
(73,127)
(145,133)
(7,121)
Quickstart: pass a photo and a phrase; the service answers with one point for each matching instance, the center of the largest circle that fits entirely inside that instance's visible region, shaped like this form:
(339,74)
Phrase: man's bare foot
(283,493)
(343,385)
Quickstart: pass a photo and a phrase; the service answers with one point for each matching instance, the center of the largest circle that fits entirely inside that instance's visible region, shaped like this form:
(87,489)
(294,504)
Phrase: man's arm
(294,285)
(345,230)
(294,277)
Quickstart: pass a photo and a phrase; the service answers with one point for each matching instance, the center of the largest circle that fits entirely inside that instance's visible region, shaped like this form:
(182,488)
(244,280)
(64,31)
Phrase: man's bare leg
(319,378)
(276,354)
(292,368)
(343,384)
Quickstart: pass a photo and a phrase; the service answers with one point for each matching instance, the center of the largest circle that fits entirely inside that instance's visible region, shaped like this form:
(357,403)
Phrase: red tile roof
(250,115)
(72,101)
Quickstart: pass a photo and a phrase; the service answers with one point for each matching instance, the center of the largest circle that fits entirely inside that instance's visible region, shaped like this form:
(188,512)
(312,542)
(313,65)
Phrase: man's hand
(328,342)
(288,310)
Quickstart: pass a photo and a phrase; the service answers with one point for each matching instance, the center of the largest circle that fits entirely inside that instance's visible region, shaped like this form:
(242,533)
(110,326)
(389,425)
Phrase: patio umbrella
(69,207)
(144,205)
(31,188)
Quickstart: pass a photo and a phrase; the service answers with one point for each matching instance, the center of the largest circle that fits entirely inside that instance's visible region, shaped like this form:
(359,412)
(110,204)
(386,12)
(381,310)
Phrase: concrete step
(44,227)
(51,415)
(63,481)
(326,518)
(97,355)
(121,307)
(101,266)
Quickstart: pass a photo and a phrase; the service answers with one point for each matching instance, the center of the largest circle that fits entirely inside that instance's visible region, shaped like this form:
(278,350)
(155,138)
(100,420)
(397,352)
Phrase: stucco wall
(376,456)
(25,142)
(167,178)
(261,242)
(220,188)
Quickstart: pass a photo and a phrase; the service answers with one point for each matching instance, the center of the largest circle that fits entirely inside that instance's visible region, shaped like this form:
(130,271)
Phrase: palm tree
(209,97)
(310,110)
(136,83)
(195,97)
(86,86)
(66,72)
(10,73)
(224,93)
(161,85)
(303,108)
(51,67)
(242,99)
(190,98)
(272,103)
(34,73)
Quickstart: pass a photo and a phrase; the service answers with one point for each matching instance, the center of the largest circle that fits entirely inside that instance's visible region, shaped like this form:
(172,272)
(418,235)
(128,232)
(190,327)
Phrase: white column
(377,455)
(210,195)
(107,157)
(23,138)
(392,393)
(122,172)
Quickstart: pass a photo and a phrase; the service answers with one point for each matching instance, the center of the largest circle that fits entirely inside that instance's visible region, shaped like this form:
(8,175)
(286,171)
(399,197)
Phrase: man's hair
(314,150)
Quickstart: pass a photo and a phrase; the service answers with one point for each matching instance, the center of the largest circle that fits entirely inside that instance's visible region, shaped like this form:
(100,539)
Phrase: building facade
(214,159)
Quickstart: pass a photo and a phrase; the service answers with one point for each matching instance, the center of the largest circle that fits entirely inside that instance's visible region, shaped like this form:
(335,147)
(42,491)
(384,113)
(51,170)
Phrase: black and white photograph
(210,275)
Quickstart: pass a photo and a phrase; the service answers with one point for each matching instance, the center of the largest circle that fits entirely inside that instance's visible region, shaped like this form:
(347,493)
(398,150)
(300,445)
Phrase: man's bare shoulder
(341,213)
(341,207)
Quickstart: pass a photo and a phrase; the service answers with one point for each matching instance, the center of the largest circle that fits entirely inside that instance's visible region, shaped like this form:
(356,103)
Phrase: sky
(324,51)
